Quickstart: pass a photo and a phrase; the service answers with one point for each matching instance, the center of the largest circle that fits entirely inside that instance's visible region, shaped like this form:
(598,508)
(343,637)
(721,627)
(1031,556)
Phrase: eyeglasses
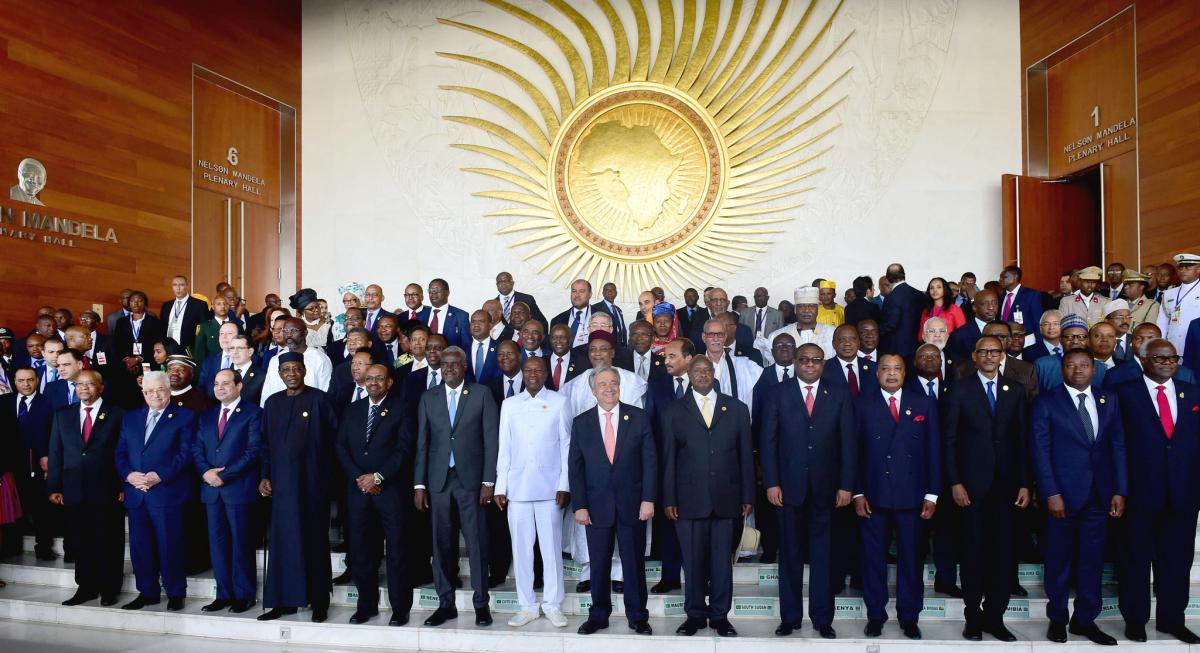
(1173,359)
(1078,337)
(714,334)
(810,360)
(989,352)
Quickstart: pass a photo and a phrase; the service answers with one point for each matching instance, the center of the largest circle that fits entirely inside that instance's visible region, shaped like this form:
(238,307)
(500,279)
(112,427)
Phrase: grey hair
(604,315)
(455,349)
(603,368)
(156,376)
(931,319)
(1143,349)
(1054,312)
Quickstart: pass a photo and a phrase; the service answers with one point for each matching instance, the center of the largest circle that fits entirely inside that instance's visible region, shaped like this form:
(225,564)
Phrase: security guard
(1181,304)
(1085,302)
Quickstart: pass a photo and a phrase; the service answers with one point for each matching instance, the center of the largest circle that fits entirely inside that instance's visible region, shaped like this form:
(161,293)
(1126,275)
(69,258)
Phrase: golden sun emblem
(673,168)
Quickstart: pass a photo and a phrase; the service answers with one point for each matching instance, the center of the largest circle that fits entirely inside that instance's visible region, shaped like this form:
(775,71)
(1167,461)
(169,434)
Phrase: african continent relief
(673,167)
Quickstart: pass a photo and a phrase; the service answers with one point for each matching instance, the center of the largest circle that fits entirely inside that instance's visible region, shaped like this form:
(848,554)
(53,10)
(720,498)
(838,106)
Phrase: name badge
(137,349)
(1176,316)
(100,358)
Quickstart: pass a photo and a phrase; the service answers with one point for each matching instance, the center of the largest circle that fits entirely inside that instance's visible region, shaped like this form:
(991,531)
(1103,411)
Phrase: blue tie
(510,389)
(575,325)
(70,392)
(453,413)
(991,395)
(1058,351)
(22,407)
(372,415)
(932,392)
(357,394)
(478,360)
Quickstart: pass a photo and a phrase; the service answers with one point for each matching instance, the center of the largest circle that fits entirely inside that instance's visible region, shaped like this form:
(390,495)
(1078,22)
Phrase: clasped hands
(142,481)
(366,484)
(645,512)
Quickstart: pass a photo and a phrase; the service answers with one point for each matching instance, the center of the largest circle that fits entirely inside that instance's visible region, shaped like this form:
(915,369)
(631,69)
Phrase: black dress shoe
(441,616)
(398,619)
(1179,632)
(664,586)
(1057,633)
(1000,632)
(538,583)
(108,601)
(972,633)
(275,613)
(174,603)
(1135,633)
(345,578)
(493,583)
(219,604)
(363,616)
(588,627)
(1093,632)
(826,631)
(45,555)
(618,586)
(242,606)
(79,598)
(724,628)
(139,603)
(783,629)
(949,590)
(483,616)
(1017,590)
(583,586)
(690,626)
(642,628)
(873,628)
(319,615)
(910,629)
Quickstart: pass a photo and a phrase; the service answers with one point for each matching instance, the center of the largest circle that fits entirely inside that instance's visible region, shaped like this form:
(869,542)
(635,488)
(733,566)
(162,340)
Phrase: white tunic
(535,439)
(317,371)
(821,335)
(1180,306)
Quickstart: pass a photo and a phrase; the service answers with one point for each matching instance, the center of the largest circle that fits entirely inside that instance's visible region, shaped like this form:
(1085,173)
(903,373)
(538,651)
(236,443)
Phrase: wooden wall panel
(1168,102)
(101,93)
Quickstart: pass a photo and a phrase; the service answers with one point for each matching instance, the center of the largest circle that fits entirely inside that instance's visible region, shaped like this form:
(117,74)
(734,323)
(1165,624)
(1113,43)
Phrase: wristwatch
(378,478)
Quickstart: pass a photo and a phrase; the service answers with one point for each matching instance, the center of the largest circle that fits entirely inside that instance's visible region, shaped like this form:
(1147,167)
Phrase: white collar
(1152,386)
(176,393)
(232,405)
(887,396)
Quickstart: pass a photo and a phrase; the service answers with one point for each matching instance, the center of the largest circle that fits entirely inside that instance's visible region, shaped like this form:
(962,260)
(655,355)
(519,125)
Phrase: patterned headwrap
(352,287)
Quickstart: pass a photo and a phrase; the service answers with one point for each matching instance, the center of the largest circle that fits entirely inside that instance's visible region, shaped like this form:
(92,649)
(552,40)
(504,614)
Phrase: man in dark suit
(1049,341)
(862,308)
(561,369)
(61,393)
(809,460)
(81,477)
(899,476)
(337,350)
(580,362)
(1020,304)
(225,454)
(661,392)
(1161,420)
(901,317)
(533,342)
(707,431)
(219,360)
(182,316)
(690,315)
(32,415)
(1010,368)
(481,351)
(718,304)
(608,304)
(1133,368)
(374,445)
(613,471)
(986,307)
(1078,447)
(355,341)
(579,315)
(153,457)
(509,297)
(451,322)
(457,440)
(848,369)
(241,354)
(373,307)
(783,351)
(985,464)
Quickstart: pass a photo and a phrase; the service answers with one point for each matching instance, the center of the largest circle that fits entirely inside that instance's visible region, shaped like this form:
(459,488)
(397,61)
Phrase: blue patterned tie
(510,389)
(372,415)
(1086,416)
(478,360)
(932,392)
(991,393)
(453,413)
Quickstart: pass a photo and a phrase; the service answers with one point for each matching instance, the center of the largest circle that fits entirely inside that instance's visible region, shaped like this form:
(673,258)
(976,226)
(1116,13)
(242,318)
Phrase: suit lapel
(622,434)
(158,426)
(1072,409)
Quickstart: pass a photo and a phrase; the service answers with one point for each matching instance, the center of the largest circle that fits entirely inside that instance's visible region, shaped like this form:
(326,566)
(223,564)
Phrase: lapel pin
(170,415)
(1181,395)
(238,409)
(304,414)
(626,418)
(491,349)
(570,368)
(723,408)
(179,403)
(383,413)
(908,411)
(865,368)
(102,415)
(466,392)
(1101,399)
(1004,388)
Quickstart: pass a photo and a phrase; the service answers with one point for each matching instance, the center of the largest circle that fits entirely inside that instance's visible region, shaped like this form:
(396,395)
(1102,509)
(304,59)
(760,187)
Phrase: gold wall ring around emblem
(638,172)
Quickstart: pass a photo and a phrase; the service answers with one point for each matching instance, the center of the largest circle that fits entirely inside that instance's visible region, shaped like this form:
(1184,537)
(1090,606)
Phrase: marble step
(750,600)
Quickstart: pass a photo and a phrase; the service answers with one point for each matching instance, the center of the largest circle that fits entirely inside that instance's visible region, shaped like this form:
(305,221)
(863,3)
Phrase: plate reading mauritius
(670,169)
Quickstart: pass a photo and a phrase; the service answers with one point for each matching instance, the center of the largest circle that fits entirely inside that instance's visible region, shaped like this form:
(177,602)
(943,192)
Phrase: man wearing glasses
(241,356)
(1074,338)
(1050,344)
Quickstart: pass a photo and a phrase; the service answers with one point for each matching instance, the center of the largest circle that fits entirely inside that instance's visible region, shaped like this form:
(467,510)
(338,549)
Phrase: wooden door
(212,238)
(257,240)
(1051,226)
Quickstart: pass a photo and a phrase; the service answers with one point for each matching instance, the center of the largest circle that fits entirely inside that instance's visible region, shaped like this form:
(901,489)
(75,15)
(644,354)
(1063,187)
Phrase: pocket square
(919,418)
(1195,409)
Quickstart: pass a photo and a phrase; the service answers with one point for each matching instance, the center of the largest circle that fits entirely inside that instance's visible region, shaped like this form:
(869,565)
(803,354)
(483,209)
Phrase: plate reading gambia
(638,171)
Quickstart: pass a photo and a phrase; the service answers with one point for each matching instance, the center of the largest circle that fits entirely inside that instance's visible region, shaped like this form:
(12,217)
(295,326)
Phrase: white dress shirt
(937,385)
(175,318)
(603,416)
(1090,403)
(791,371)
(535,440)
(872,355)
(1169,389)
(95,412)
(317,370)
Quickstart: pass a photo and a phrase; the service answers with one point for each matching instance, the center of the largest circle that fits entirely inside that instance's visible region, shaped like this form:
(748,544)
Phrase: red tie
(808,399)
(867,357)
(558,374)
(87,365)
(433,324)
(895,413)
(412,315)
(1164,412)
(87,423)
(221,424)
(852,378)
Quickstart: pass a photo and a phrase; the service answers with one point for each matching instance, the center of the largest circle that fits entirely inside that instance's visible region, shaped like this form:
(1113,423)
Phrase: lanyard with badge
(1177,314)
(136,327)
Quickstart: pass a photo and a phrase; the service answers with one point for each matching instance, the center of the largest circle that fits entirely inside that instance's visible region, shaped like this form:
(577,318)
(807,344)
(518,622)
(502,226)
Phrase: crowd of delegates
(987,425)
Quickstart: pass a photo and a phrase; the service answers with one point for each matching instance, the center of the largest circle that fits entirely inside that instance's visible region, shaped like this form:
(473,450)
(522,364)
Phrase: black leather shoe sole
(398,620)
(362,617)
(79,599)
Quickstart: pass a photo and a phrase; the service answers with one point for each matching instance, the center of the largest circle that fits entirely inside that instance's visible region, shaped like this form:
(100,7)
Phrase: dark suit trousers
(707,546)
(474,529)
(44,515)
(98,531)
(665,546)
(945,540)
(630,540)
(766,519)
(876,532)
(232,548)
(370,517)
(1076,540)
(847,547)
(987,557)
(499,543)
(1162,540)
(156,548)
(805,528)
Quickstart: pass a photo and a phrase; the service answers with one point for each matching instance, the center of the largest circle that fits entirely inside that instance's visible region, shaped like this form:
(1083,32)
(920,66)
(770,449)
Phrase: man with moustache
(373,303)
(318,369)
(533,341)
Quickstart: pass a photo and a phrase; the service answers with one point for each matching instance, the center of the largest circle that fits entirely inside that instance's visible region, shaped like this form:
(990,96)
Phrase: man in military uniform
(1085,302)
(1181,304)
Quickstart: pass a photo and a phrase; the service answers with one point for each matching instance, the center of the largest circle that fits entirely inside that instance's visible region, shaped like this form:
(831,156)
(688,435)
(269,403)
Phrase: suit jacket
(236,449)
(1191,346)
(566,318)
(110,320)
(389,450)
(1035,351)
(1049,373)
(620,326)
(660,394)
(1065,461)
(865,370)
(1027,304)
(195,312)
(33,429)
(168,452)
(899,463)
(772,319)
(1162,470)
(85,473)
(622,358)
(743,341)
(534,311)
(453,323)
(901,320)
(766,382)
(687,324)
(612,492)
(151,331)
(252,384)
(474,438)
(981,449)
(1131,370)
(383,312)
(862,309)
(489,369)
(1020,371)
(962,340)
(57,393)
(810,458)
(498,385)
(722,449)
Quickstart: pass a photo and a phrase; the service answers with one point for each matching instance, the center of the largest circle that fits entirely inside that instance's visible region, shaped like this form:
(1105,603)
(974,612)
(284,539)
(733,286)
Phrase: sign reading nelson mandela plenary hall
(37,224)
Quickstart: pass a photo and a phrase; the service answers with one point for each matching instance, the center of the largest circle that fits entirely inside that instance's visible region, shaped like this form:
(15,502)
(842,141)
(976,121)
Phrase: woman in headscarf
(307,305)
(352,297)
(659,313)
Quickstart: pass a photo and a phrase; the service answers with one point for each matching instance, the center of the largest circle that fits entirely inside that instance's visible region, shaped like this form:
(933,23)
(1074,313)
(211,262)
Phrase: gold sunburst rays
(670,166)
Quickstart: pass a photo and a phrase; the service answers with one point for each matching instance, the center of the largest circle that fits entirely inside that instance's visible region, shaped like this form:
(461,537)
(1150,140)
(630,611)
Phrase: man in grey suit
(457,442)
(111,320)
(761,319)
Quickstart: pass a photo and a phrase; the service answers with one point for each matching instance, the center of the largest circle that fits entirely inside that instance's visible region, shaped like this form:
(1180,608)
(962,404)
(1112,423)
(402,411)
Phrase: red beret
(602,335)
